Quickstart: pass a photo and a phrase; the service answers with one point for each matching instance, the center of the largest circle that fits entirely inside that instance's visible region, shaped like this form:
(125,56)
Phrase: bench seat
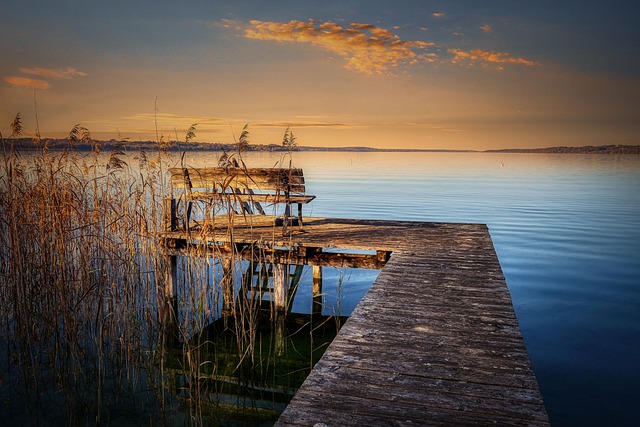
(255,197)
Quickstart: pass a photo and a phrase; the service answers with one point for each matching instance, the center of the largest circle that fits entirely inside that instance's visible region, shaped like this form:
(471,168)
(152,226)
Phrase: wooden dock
(435,341)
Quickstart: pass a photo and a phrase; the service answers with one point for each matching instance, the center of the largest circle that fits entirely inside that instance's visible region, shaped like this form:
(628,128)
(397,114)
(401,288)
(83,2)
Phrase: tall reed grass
(78,278)
(88,333)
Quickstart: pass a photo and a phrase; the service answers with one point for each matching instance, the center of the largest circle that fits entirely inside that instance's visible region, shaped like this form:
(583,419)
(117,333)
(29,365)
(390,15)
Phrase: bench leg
(169,215)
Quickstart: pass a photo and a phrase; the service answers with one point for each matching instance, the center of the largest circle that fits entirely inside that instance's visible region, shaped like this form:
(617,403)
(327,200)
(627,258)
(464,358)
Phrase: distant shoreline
(57,144)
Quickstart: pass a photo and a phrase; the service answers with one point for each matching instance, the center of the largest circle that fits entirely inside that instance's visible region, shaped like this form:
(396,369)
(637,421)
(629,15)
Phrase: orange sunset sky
(390,74)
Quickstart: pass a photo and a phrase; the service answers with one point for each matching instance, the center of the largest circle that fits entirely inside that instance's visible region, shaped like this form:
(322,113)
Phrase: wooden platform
(435,341)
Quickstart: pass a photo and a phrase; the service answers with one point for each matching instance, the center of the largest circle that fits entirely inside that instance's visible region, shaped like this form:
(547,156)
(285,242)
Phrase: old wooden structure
(435,341)
(236,189)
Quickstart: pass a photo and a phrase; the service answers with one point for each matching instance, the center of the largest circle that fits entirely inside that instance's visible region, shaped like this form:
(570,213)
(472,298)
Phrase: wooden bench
(241,190)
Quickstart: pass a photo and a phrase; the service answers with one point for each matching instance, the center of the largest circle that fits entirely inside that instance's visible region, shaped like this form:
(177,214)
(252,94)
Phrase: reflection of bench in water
(238,190)
(260,278)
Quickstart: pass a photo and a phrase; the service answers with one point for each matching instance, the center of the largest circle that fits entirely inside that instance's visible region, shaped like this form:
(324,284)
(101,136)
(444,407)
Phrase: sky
(474,74)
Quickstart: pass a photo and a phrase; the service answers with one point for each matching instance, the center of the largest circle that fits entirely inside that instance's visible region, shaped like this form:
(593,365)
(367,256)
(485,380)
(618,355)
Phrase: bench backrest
(230,180)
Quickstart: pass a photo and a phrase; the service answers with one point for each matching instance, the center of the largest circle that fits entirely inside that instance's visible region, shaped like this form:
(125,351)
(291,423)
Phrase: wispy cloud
(366,48)
(486,28)
(484,57)
(437,14)
(370,49)
(58,73)
(49,73)
(304,124)
(27,83)
(176,119)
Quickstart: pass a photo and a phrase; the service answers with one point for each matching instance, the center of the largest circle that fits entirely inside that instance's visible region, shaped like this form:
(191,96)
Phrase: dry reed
(87,329)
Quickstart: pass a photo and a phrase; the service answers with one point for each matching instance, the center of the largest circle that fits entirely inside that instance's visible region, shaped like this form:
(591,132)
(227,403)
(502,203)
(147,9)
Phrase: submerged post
(280,281)
(317,290)
(169,306)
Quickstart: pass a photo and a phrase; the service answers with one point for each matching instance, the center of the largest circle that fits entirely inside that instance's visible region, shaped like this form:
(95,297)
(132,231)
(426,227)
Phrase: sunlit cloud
(437,14)
(487,58)
(169,126)
(370,49)
(486,28)
(367,48)
(174,124)
(25,82)
(49,73)
(58,73)
(304,124)
(432,126)
(228,23)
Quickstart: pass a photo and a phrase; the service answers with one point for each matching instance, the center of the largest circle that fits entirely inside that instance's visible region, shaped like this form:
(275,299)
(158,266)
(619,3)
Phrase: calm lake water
(567,232)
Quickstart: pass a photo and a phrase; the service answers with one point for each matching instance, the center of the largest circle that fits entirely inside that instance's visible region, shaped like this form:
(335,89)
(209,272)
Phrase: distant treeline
(588,149)
(83,145)
(62,143)
(59,144)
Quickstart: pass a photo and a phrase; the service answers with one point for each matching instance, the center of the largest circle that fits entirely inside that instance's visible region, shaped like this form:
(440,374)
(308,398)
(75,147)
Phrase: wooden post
(169,305)
(280,332)
(317,290)
(280,282)
(169,215)
(188,187)
(285,218)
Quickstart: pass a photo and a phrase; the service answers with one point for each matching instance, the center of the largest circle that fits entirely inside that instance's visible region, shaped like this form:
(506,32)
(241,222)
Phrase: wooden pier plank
(414,351)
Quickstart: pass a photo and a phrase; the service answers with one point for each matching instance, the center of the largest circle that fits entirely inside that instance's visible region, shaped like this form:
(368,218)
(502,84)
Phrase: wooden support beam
(298,255)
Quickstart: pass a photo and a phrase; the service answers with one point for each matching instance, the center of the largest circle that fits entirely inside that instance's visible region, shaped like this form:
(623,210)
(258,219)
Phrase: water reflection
(239,359)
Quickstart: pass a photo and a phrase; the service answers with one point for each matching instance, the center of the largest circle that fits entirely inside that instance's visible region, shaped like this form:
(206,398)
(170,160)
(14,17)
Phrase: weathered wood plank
(397,388)
(228,196)
(350,410)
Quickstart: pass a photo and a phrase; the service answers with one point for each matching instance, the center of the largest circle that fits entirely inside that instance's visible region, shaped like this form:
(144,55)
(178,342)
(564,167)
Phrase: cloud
(59,73)
(486,28)
(50,73)
(301,124)
(487,58)
(175,119)
(229,23)
(370,49)
(367,48)
(25,82)
(437,14)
